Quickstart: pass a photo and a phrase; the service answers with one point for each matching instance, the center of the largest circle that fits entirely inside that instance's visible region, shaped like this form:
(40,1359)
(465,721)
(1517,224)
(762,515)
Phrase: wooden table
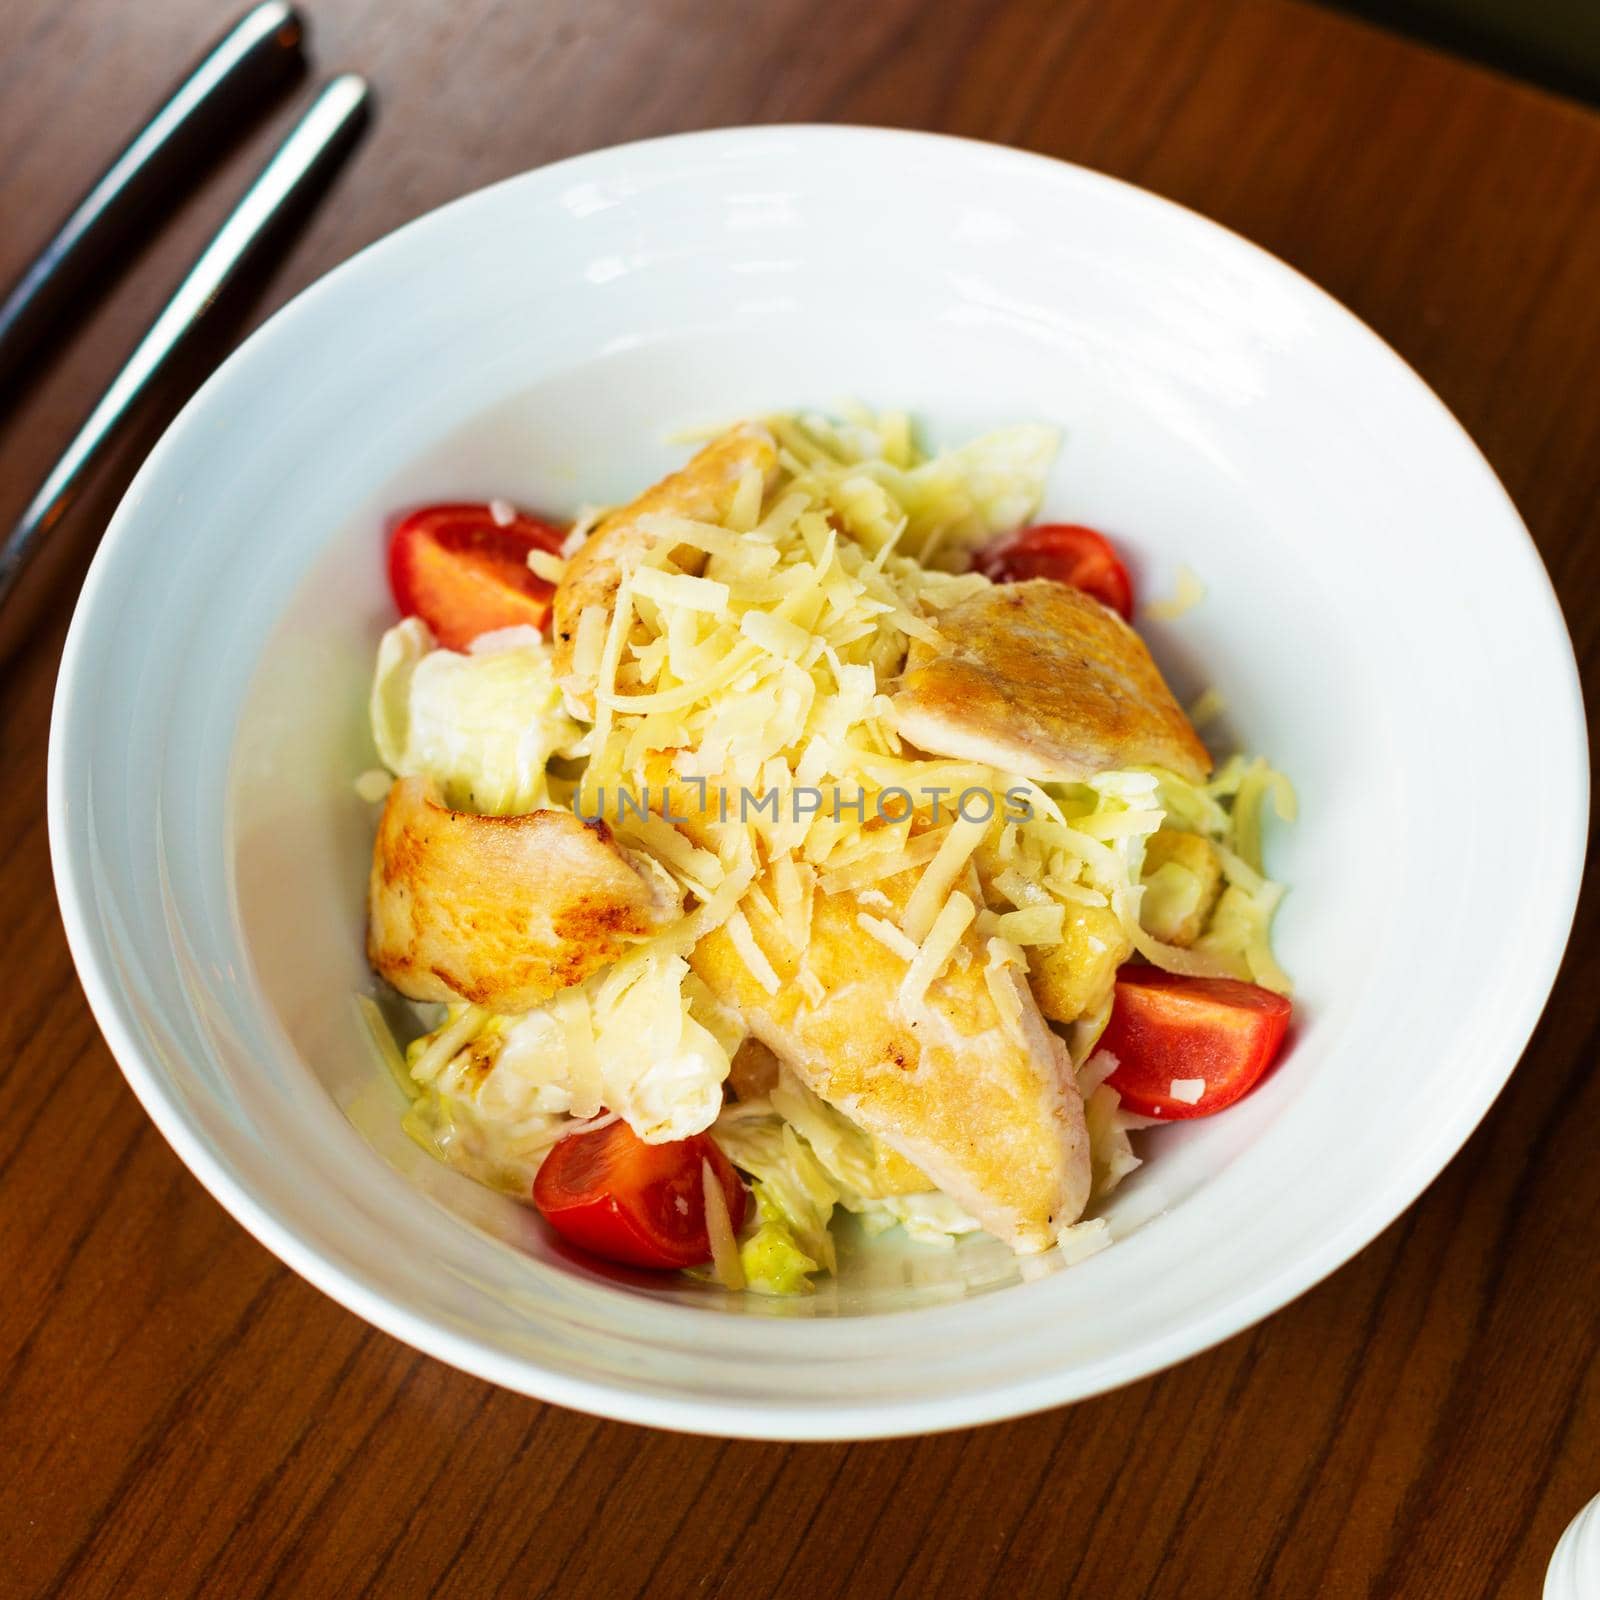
(180,1414)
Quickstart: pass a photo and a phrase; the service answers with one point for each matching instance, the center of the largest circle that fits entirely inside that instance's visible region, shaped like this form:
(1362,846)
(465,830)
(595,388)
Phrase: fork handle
(291,181)
(259,57)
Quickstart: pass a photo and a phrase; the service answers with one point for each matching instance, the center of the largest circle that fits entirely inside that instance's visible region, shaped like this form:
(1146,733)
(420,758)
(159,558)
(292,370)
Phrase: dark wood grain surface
(179,1414)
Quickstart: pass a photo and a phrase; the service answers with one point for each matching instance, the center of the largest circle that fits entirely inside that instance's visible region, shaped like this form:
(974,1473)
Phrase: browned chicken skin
(995,1122)
(502,911)
(1037,678)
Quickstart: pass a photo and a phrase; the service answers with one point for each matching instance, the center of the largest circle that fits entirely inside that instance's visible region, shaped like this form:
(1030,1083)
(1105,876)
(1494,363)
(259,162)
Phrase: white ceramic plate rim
(800,1418)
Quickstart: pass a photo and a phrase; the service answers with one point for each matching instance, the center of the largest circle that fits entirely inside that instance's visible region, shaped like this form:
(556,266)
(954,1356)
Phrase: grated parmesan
(680,589)
(442,1047)
(942,938)
(753,956)
(1083,1239)
(1189,593)
(1032,925)
(719,1230)
(883,861)
(545,564)
(999,976)
(1208,708)
(589,644)
(888,935)
(939,879)
(572,1011)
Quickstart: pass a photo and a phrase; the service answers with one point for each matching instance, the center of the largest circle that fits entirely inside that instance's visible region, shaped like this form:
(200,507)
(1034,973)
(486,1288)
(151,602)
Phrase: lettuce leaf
(482,724)
(793,1189)
(772,1259)
(964,497)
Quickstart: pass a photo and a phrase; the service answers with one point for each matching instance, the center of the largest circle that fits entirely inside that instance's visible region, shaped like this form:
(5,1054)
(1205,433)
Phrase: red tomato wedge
(1067,552)
(640,1204)
(464,573)
(1208,1038)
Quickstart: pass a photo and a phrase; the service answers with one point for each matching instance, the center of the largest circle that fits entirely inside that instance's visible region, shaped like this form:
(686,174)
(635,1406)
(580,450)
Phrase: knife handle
(256,60)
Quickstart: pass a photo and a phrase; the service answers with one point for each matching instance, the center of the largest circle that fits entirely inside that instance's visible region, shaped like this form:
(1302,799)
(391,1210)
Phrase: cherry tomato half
(1066,552)
(1212,1037)
(639,1204)
(464,573)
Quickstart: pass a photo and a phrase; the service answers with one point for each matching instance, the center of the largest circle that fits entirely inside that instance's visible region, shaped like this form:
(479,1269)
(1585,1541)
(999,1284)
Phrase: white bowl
(1377,620)
(1574,1570)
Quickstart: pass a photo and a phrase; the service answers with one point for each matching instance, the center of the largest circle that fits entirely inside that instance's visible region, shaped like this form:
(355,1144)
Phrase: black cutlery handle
(259,57)
(293,178)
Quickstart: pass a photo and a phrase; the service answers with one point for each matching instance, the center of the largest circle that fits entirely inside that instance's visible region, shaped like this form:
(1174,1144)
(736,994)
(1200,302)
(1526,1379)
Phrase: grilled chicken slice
(502,911)
(703,491)
(1038,679)
(997,1124)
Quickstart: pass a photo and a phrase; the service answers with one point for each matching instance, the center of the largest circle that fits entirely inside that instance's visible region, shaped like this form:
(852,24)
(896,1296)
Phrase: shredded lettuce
(483,725)
(793,1189)
(939,508)
(930,1218)
(844,1150)
(807,1158)
(634,1039)
(964,497)
(1228,811)
(772,1259)
(661,1067)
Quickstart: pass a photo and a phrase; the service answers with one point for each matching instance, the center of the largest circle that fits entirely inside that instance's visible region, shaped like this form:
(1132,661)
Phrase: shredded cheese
(697,869)
(939,879)
(1209,707)
(589,642)
(719,1230)
(1190,592)
(745,511)
(1081,1240)
(888,935)
(583,1061)
(589,518)
(1095,1071)
(1005,959)
(942,938)
(442,1047)
(547,565)
(679,589)
(753,956)
(1033,925)
(885,862)
(794,883)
